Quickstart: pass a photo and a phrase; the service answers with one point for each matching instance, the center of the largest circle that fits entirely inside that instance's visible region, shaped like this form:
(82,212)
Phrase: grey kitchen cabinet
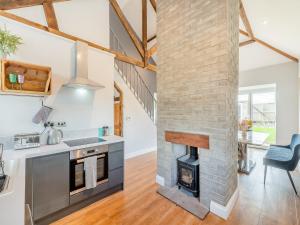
(116,147)
(116,164)
(47,184)
(115,159)
(116,177)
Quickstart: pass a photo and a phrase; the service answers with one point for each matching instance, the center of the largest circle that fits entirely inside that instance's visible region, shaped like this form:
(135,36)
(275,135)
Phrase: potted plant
(9,43)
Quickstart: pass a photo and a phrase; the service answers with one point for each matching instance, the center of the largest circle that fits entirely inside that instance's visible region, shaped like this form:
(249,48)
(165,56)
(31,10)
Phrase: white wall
(86,19)
(285,76)
(138,129)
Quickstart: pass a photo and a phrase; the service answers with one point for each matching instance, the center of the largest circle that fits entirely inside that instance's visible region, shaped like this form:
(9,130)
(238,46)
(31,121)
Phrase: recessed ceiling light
(265,22)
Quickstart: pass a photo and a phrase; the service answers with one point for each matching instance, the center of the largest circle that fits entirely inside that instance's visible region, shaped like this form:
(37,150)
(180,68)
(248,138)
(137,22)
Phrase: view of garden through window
(259,105)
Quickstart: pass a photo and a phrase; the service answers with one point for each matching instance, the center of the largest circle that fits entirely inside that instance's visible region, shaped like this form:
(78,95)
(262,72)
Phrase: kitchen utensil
(105,130)
(42,115)
(23,141)
(100,132)
(54,135)
(12,79)
(21,80)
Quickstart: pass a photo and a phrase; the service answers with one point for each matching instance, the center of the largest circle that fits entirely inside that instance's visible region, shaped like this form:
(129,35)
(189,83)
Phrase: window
(258,103)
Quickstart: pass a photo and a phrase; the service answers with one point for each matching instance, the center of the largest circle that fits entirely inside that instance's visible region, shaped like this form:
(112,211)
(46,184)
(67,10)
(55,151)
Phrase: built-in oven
(77,172)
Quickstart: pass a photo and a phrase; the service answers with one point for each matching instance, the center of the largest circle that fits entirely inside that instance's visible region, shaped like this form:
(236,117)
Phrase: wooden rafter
(118,55)
(244,43)
(152,38)
(245,20)
(271,47)
(128,27)
(15,4)
(153,3)
(50,15)
(152,50)
(144,30)
(151,67)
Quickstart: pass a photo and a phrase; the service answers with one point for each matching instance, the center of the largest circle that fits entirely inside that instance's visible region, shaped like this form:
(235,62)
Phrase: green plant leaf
(9,43)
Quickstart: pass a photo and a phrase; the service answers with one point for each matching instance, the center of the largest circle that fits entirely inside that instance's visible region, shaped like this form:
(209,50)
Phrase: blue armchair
(284,157)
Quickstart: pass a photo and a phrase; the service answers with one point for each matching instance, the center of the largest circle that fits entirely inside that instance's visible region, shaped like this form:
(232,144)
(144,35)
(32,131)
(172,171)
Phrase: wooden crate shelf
(37,79)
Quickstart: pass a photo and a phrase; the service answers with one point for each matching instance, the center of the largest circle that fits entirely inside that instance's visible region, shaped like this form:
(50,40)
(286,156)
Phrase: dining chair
(285,157)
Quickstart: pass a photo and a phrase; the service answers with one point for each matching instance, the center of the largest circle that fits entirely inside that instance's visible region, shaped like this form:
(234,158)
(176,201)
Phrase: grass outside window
(269,130)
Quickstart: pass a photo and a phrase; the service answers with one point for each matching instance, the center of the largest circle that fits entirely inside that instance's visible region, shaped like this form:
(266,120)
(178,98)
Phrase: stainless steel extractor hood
(81,79)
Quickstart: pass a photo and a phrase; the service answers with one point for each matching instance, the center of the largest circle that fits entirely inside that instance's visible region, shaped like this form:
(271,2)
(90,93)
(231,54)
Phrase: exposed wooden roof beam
(152,50)
(245,20)
(144,30)
(151,67)
(50,15)
(152,38)
(38,26)
(128,27)
(153,3)
(15,4)
(244,43)
(271,47)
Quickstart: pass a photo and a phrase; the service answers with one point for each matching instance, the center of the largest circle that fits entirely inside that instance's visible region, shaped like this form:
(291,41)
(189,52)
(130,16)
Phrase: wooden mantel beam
(271,47)
(127,26)
(38,26)
(15,4)
(195,140)
(50,15)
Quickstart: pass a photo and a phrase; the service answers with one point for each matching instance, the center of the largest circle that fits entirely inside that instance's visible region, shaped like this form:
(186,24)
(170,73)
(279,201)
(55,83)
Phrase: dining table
(258,139)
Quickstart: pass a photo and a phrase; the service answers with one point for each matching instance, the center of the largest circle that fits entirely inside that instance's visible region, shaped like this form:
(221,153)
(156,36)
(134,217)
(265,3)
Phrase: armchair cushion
(278,157)
(281,146)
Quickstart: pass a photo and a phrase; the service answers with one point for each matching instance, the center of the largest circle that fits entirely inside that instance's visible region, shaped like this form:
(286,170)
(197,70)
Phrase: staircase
(134,80)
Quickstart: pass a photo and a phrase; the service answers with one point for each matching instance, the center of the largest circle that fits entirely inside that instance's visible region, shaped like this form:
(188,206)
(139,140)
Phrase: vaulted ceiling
(275,22)
(272,28)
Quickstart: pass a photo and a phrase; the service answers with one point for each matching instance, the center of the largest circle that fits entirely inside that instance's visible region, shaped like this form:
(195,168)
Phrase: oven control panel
(82,153)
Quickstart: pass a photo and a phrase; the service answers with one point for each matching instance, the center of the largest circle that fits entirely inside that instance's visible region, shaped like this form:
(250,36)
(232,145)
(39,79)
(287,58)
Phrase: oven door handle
(98,157)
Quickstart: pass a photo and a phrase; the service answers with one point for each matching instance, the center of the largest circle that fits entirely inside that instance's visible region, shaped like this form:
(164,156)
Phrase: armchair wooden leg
(266,168)
(292,182)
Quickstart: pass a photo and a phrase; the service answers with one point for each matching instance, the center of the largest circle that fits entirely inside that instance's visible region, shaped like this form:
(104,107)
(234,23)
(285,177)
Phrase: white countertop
(12,199)
(53,149)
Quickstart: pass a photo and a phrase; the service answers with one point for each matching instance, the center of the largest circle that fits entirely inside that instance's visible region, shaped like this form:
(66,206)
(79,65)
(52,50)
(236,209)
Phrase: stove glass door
(77,175)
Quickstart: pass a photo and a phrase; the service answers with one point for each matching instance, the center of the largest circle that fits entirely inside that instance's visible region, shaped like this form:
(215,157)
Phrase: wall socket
(55,124)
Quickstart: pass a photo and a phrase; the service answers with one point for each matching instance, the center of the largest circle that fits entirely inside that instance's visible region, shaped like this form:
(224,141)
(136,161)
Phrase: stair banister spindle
(133,79)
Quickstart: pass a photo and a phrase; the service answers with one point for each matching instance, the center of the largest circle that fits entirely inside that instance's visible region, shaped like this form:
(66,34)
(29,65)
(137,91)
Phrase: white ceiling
(133,12)
(276,22)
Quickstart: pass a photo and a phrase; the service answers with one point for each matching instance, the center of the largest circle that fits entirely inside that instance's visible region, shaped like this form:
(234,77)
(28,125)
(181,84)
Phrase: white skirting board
(224,211)
(160,180)
(141,152)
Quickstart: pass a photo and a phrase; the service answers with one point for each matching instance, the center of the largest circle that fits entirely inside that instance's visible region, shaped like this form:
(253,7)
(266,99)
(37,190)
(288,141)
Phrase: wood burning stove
(188,171)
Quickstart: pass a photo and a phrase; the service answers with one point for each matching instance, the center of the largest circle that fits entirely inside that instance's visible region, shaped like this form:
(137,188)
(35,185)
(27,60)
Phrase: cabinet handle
(82,160)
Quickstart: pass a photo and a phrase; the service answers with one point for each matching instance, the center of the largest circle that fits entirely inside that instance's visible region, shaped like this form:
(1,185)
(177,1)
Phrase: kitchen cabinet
(48,187)
(116,164)
(47,184)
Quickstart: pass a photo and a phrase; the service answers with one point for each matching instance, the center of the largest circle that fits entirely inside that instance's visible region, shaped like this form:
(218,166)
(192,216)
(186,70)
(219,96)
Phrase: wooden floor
(139,204)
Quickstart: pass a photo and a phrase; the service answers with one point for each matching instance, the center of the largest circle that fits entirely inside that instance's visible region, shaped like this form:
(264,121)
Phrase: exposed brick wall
(197,85)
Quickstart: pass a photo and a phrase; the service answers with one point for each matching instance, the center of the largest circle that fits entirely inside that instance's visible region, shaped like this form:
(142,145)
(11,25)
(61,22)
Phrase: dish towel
(90,167)
(42,115)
